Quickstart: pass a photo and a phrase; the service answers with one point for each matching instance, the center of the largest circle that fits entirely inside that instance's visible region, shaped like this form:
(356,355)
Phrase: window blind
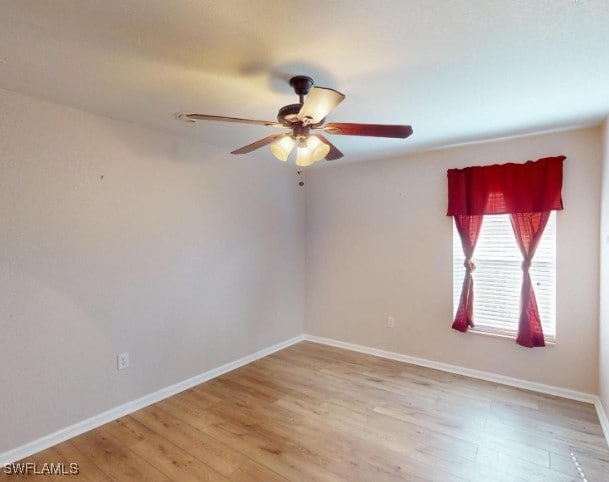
(498,276)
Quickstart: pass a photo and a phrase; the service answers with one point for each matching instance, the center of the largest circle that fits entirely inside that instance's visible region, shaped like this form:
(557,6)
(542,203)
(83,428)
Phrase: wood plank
(67,453)
(312,412)
(217,455)
(113,459)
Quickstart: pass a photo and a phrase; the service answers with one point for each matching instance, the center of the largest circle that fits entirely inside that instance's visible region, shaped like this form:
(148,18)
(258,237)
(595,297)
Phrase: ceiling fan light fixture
(282,148)
(304,156)
(311,150)
(309,115)
(319,149)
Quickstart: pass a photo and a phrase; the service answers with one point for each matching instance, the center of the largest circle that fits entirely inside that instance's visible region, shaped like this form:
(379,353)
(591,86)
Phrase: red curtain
(507,188)
(528,228)
(528,192)
(469,229)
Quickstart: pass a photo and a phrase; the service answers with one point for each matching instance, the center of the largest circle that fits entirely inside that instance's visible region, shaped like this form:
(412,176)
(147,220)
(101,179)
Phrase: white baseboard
(125,409)
(468,372)
(602,416)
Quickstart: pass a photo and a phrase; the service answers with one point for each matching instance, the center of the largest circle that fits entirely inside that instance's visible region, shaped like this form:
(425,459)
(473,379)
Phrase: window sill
(511,337)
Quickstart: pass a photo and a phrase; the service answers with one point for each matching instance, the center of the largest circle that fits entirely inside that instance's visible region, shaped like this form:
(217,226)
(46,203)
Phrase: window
(498,277)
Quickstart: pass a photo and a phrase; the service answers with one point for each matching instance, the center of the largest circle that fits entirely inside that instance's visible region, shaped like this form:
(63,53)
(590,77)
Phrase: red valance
(534,186)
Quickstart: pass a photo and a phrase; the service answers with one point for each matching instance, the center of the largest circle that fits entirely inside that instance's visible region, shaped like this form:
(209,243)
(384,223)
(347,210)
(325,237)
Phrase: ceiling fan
(303,121)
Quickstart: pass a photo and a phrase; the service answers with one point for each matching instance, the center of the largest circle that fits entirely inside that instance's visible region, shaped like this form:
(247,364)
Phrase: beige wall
(604,291)
(189,258)
(378,243)
(183,255)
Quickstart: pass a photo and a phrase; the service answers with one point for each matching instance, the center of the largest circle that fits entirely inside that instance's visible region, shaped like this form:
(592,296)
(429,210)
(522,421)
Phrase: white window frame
(498,277)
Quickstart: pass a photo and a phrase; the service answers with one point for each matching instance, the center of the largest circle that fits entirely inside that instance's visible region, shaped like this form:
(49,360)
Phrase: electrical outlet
(122,360)
(390,322)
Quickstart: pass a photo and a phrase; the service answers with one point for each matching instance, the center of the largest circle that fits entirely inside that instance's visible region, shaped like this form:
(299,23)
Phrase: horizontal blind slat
(498,275)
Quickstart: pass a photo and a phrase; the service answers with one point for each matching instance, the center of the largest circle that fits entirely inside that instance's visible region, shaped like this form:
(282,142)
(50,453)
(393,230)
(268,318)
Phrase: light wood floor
(312,412)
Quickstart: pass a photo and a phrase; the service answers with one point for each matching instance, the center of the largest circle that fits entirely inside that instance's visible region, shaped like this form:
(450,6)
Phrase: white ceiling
(456,70)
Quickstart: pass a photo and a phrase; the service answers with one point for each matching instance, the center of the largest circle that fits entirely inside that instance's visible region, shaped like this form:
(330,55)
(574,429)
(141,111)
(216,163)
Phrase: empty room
(331,240)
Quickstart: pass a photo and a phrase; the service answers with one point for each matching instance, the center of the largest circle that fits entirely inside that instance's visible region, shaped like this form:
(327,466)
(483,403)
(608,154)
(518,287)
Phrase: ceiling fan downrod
(302,85)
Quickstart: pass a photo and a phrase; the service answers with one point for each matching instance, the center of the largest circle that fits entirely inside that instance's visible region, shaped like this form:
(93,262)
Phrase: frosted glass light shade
(282,148)
(304,156)
(318,148)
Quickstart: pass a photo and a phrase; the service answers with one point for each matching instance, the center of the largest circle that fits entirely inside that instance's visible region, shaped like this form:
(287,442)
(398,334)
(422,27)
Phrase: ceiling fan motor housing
(301,84)
(288,114)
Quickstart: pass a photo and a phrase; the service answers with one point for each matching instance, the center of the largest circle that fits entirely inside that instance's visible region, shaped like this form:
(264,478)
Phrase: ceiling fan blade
(260,143)
(193,117)
(334,152)
(318,104)
(373,130)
